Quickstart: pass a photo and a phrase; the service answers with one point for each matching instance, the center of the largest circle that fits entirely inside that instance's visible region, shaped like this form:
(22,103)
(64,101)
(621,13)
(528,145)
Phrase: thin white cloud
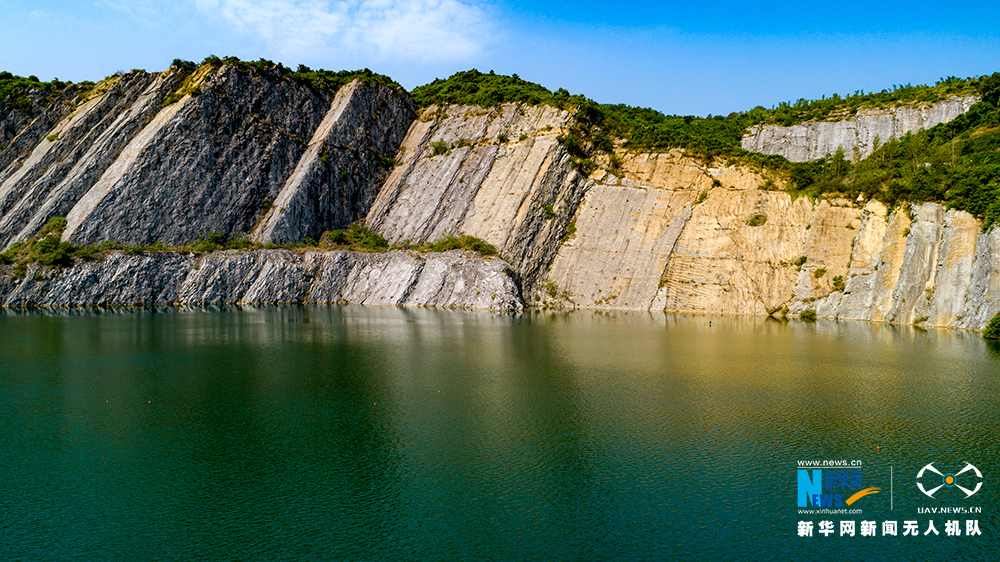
(421,30)
(142,10)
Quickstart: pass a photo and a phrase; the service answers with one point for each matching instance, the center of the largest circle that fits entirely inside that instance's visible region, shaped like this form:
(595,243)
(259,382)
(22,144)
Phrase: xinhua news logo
(831,488)
(930,480)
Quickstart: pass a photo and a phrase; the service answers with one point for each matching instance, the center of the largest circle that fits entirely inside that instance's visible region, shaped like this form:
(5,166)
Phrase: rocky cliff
(269,277)
(498,174)
(671,233)
(237,150)
(663,237)
(815,139)
(249,152)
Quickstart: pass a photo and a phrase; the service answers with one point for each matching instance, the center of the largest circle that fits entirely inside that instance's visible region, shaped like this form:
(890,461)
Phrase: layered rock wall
(495,173)
(239,144)
(255,154)
(269,277)
(673,234)
(815,139)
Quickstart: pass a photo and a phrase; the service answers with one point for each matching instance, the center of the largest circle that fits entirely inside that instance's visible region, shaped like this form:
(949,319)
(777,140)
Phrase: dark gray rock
(339,175)
(269,277)
(60,172)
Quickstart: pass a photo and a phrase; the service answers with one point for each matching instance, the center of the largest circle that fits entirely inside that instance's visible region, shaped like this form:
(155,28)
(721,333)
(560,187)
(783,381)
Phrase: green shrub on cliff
(14,90)
(462,242)
(992,331)
(46,248)
(332,81)
(472,87)
(955,163)
(595,125)
(835,106)
(357,238)
(317,80)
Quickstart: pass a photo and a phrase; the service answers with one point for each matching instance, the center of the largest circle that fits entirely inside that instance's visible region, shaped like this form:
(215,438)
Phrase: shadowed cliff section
(169,157)
(78,149)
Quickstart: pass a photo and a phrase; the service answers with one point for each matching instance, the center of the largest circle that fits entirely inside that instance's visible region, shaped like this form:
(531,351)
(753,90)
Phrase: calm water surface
(375,433)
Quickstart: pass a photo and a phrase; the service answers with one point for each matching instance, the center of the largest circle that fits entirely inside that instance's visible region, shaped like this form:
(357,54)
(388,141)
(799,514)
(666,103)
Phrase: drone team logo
(948,480)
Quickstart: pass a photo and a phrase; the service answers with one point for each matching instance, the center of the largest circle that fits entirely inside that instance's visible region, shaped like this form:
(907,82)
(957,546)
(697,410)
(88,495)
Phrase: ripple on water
(375,433)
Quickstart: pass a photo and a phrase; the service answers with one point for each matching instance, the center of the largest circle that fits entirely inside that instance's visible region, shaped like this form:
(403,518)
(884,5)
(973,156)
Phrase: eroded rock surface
(495,173)
(673,234)
(241,148)
(815,139)
(452,279)
(266,157)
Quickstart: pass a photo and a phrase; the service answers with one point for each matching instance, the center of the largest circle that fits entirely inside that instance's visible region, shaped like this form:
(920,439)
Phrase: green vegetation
(820,272)
(549,211)
(357,238)
(184,65)
(209,242)
(956,163)
(757,219)
(328,80)
(808,314)
(595,125)
(550,288)
(462,242)
(439,147)
(316,80)
(475,88)
(800,261)
(14,90)
(171,99)
(570,231)
(191,85)
(45,248)
(837,107)
(993,329)
(551,297)
(838,283)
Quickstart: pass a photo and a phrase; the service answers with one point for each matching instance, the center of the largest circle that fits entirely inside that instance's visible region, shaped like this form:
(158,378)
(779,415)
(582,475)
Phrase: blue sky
(678,57)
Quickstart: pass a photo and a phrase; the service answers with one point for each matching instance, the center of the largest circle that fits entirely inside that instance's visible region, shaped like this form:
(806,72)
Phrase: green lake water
(381,433)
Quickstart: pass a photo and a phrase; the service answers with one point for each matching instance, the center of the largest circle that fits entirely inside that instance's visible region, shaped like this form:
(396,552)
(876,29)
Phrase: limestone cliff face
(22,128)
(662,232)
(498,174)
(929,266)
(120,166)
(270,277)
(815,139)
(662,237)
